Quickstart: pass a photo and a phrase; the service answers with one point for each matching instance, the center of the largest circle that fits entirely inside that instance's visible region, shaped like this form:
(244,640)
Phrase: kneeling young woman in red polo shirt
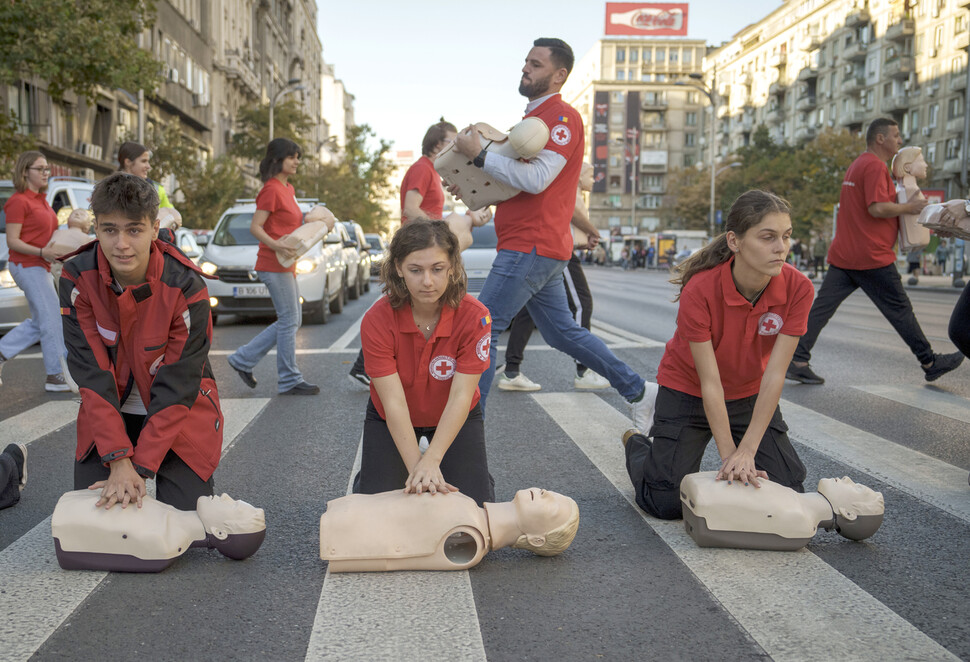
(742,309)
(426,344)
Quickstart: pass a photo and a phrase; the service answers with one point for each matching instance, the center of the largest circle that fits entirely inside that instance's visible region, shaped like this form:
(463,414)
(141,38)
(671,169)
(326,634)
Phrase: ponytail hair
(746,212)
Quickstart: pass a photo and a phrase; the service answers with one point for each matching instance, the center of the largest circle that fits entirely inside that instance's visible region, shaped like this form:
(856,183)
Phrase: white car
(231,256)
(479,257)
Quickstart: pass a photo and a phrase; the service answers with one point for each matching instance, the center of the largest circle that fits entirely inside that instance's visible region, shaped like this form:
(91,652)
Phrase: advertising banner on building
(646,19)
(601,137)
(632,137)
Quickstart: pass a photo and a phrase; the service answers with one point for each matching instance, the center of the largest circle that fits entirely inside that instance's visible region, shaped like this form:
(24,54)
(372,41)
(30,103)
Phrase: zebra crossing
(818,603)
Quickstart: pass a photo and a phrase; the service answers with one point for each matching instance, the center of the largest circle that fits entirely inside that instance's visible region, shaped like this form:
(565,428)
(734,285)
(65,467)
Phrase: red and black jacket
(156,336)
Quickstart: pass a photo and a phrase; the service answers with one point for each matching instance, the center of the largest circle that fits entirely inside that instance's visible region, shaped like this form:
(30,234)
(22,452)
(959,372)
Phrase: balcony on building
(955,125)
(894,103)
(961,41)
(857,18)
(778,88)
(958,81)
(953,166)
(855,52)
(901,30)
(853,84)
(236,67)
(810,42)
(778,60)
(651,188)
(774,115)
(744,78)
(853,118)
(654,124)
(653,166)
(805,102)
(655,103)
(900,67)
(804,132)
(808,73)
(963,3)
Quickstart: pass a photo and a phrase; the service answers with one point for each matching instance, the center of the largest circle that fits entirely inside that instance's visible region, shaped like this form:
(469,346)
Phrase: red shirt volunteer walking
(864,241)
(285,216)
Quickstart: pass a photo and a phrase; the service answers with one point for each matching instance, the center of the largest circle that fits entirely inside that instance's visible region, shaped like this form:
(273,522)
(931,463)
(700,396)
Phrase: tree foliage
(172,154)
(249,141)
(12,144)
(77,46)
(209,190)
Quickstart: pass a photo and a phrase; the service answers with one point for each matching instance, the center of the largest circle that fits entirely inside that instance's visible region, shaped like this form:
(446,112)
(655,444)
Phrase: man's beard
(536,88)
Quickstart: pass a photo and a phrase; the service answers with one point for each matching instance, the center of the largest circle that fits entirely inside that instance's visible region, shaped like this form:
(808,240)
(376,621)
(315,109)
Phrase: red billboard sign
(651,20)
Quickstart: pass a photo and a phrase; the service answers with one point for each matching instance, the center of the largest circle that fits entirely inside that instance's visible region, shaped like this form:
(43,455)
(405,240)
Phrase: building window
(687,55)
(647,55)
(620,55)
(618,96)
(645,78)
(614,161)
(615,181)
(689,139)
(938,38)
(952,148)
(689,160)
(690,118)
(954,108)
(634,55)
(621,74)
(616,117)
(692,96)
(914,120)
(934,114)
(931,153)
(961,23)
(673,56)
(661,78)
(661,55)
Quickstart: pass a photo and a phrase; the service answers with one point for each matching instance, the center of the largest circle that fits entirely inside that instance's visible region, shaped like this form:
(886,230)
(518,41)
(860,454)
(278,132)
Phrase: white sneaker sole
(503,386)
(57,388)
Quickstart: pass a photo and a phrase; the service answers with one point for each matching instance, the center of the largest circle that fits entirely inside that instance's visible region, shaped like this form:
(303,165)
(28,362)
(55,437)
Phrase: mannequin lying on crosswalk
(719,513)
(444,531)
(150,538)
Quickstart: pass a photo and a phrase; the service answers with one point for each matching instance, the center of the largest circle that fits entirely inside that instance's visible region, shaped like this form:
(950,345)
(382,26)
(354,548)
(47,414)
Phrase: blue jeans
(526,279)
(45,319)
(281,333)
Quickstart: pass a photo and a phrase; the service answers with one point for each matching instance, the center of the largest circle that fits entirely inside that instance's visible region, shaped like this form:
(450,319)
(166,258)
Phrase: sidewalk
(926,283)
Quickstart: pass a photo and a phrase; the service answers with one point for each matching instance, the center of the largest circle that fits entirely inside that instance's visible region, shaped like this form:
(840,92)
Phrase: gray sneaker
(56,384)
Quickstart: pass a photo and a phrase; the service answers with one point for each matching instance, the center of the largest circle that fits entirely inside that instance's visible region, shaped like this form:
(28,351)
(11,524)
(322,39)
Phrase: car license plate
(250,291)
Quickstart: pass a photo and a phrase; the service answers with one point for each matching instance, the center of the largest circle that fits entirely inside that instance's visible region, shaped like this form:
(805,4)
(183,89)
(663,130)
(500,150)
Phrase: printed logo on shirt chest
(481,349)
(442,367)
(561,134)
(770,324)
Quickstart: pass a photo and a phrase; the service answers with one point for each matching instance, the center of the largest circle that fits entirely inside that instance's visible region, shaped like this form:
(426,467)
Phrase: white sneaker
(591,381)
(519,383)
(642,412)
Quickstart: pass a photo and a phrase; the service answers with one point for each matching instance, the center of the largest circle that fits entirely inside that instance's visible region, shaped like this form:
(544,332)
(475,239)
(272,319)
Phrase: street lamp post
(711,93)
(292,85)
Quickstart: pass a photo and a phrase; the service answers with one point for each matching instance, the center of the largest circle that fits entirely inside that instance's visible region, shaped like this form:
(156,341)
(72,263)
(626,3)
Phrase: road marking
(351,333)
(937,483)
(37,422)
(929,398)
(237,414)
(784,600)
(373,615)
(37,595)
(641,341)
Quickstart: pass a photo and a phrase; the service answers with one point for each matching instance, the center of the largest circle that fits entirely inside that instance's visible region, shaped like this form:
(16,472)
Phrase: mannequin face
(223,515)
(540,511)
(918,167)
(426,273)
(586,177)
(761,251)
(849,498)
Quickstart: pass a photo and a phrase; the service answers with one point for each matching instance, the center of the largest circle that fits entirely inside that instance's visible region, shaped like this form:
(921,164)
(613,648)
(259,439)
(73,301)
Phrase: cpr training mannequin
(461,224)
(444,531)
(318,223)
(952,217)
(908,166)
(720,513)
(478,189)
(68,239)
(150,538)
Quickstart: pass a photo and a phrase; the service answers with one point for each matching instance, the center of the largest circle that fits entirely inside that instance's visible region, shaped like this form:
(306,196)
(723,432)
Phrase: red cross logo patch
(481,349)
(442,367)
(561,134)
(770,324)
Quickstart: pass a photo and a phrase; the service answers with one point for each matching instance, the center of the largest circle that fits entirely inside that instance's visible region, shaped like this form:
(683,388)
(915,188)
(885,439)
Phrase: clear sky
(410,62)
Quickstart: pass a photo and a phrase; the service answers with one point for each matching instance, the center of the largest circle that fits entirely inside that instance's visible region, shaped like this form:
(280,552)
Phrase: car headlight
(305,266)
(208,268)
(6,280)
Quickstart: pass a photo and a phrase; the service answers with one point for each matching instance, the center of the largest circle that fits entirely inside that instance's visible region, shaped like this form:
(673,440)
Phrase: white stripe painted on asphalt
(641,341)
(37,422)
(791,603)
(937,483)
(929,398)
(351,333)
(237,414)
(376,615)
(620,344)
(37,595)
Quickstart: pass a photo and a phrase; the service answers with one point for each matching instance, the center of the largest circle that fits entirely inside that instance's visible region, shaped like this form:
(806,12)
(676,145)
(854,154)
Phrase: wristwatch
(479,161)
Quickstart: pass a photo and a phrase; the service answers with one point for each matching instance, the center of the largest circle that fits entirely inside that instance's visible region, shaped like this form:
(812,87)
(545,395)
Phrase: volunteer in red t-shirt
(742,309)
(277,215)
(534,239)
(862,255)
(30,224)
(422,197)
(426,342)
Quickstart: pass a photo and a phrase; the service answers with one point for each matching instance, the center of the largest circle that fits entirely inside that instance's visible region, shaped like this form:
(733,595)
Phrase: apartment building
(816,65)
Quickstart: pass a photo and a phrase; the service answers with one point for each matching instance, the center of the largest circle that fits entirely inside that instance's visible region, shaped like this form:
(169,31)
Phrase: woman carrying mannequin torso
(425,344)
(742,309)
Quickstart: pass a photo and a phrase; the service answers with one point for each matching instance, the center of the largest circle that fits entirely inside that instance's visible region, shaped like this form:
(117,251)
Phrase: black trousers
(9,481)
(175,483)
(464,465)
(680,436)
(580,301)
(960,322)
(885,288)
(359,363)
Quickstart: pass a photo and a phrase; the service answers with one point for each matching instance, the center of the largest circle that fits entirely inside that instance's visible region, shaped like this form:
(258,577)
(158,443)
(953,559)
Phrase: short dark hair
(879,127)
(129,151)
(560,52)
(277,150)
(128,194)
(416,236)
(435,134)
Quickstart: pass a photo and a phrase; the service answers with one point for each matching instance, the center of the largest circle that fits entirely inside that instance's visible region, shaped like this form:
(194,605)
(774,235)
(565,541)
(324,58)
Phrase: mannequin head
(586,177)
(235,528)
(80,219)
(169,217)
(548,521)
(909,161)
(858,509)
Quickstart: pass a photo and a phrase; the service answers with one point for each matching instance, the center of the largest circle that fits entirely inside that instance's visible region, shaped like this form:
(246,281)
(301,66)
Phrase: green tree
(12,144)
(209,190)
(249,142)
(687,203)
(172,153)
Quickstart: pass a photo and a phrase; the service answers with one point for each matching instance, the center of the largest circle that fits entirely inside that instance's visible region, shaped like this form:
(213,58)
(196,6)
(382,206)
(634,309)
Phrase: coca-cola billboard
(655,20)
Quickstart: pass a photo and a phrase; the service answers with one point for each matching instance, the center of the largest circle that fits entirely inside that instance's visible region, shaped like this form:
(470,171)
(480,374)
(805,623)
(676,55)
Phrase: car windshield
(234,231)
(484,236)
(374,241)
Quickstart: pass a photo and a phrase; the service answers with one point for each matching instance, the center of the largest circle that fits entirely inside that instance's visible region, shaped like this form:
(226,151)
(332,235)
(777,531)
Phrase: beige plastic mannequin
(581,236)
(318,223)
(908,166)
(461,224)
(150,538)
(478,189)
(955,222)
(68,239)
(722,514)
(169,217)
(398,531)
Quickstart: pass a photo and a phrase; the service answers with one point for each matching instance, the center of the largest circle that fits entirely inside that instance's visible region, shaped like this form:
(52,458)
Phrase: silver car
(479,257)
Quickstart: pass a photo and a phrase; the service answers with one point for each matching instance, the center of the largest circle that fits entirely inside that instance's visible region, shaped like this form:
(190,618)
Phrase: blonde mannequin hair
(555,542)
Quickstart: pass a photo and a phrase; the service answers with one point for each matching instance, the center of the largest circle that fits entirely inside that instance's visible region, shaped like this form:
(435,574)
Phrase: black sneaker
(244,375)
(359,377)
(942,364)
(19,454)
(303,389)
(802,374)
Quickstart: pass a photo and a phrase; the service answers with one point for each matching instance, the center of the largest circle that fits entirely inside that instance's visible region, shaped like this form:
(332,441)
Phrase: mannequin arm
(581,221)
(398,417)
(893,209)
(712,394)
(412,206)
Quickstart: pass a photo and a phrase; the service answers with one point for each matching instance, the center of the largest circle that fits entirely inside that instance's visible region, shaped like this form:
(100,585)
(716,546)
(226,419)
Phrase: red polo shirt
(861,240)
(37,223)
(711,308)
(423,178)
(541,221)
(392,343)
(285,216)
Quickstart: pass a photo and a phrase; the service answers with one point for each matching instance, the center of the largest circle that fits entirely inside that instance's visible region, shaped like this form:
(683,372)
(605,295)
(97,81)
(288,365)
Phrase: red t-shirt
(541,221)
(861,240)
(285,216)
(392,343)
(711,308)
(423,178)
(37,223)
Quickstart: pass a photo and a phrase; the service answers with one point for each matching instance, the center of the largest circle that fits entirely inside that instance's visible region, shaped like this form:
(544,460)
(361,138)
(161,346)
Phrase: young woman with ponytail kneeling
(742,309)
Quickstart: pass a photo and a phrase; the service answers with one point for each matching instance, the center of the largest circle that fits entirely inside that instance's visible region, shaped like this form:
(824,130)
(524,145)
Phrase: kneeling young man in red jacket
(138,329)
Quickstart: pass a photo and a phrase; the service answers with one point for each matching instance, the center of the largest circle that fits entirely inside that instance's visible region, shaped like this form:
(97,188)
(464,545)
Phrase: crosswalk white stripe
(792,603)
(381,615)
(928,398)
(37,595)
(37,422)
(926,478)
(641,341)
(619,344)
(237,414)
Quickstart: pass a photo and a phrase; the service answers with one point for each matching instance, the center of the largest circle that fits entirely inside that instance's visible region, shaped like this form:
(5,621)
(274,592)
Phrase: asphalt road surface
(630,587)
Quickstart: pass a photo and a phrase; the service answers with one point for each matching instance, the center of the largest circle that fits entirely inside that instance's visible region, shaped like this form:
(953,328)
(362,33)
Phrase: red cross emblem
(561,134)
(481,349)
(770,324)
(442,367)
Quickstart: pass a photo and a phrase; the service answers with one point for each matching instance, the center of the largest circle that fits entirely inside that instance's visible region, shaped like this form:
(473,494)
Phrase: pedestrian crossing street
(832,599)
